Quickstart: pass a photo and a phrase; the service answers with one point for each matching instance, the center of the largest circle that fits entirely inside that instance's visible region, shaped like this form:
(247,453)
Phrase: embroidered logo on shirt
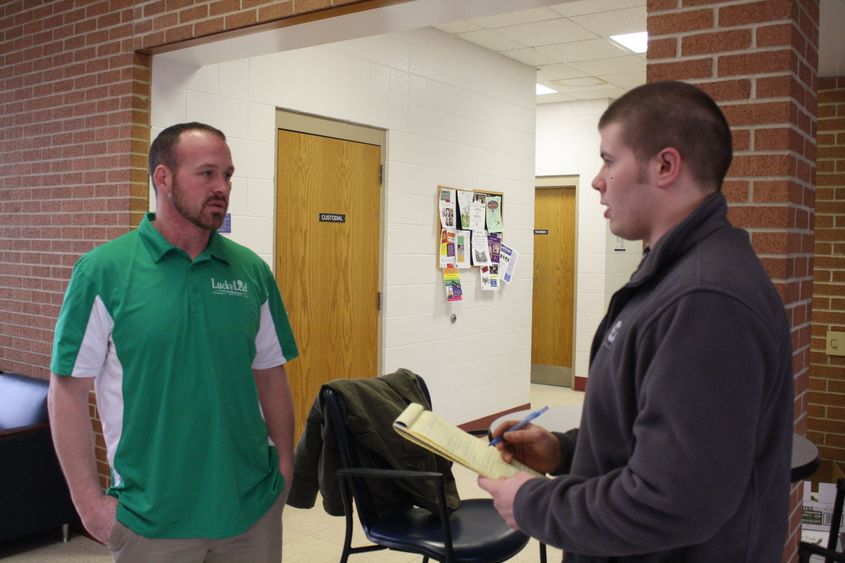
(614,332)
(229,287)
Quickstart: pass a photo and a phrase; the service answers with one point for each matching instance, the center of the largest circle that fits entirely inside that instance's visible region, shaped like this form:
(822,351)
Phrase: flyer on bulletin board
(464,205)
(477,212)
(447,247)
(462,248)
(480,249)
(452,282)
(447,208)
(490,278)
(494,214)
(494,244)
(508,258)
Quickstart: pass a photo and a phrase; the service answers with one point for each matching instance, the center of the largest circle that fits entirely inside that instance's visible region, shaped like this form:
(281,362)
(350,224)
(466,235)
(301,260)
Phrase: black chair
(806,550)
(474,533)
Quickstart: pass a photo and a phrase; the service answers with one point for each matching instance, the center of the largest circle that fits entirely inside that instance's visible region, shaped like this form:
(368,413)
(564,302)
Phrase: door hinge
(381,174)
(378,301)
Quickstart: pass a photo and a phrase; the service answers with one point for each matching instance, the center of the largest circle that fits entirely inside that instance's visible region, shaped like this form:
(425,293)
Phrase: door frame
(311,124)
(566,182)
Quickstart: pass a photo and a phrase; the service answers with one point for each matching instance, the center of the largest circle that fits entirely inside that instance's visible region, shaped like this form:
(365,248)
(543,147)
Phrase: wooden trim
(556,181)
(312,124)
(294,19)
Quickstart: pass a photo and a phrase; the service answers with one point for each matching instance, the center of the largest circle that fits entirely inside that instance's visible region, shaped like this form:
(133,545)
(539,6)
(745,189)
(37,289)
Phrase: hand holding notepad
(437,435)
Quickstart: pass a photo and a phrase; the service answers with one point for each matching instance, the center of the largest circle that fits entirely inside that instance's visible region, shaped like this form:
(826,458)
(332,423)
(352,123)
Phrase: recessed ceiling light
(542,90)
(636,42)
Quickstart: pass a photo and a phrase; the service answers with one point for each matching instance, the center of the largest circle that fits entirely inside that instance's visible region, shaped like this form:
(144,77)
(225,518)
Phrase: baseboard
(579,383)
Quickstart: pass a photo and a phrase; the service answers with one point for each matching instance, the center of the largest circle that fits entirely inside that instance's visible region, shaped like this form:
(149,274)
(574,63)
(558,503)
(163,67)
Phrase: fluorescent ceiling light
(636,42)
(541,90)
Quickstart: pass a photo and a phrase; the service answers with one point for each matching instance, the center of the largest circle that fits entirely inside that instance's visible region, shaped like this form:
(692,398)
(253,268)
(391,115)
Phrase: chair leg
(347,540)
(542,552)
(65,532)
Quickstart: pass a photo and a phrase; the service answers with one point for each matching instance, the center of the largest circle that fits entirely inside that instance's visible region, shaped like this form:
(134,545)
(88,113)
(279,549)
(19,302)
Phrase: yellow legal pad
(437,435)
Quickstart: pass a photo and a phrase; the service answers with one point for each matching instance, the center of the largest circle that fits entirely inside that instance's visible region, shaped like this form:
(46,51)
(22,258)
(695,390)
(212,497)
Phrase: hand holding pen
(521,424)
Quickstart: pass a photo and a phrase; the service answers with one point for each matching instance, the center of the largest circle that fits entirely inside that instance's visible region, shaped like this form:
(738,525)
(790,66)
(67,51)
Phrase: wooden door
(327,258)
(554,286)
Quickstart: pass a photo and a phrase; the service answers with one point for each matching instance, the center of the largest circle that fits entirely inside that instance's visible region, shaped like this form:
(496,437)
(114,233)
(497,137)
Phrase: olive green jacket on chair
(372,405)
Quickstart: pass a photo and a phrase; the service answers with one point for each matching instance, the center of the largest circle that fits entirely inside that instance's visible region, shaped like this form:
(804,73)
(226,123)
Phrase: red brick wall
(826,422)
(74,116)
(758,59)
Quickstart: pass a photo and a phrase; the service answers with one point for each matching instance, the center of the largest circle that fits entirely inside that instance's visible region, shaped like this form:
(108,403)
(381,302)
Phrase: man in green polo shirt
(185,337)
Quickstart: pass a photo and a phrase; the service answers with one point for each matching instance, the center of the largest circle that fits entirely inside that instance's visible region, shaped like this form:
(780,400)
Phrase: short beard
(208,222)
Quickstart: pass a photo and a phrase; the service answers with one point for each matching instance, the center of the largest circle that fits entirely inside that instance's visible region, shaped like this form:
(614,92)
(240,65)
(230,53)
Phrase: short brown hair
(675,114)
(163,149)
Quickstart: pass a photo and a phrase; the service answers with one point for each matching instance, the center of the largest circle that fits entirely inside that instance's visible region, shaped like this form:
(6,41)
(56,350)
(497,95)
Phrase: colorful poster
(447,247)
(464,204)
(480,249)
(447,208)
(452,283)
(463,248)
(494,214)
(508,258)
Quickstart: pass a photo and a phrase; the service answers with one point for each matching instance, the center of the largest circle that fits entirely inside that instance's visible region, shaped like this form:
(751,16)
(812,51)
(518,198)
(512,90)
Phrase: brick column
(826,421)
(759,59)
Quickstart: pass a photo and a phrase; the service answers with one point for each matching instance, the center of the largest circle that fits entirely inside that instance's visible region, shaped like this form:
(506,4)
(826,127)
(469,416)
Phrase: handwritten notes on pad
(435,434)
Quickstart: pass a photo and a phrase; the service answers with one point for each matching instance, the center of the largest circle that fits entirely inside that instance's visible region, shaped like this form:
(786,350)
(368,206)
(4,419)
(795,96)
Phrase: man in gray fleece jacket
(683,451)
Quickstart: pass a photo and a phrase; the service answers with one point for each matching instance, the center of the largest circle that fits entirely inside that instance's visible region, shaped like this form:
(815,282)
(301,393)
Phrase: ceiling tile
(491,40)
(582,50)
(547,32)
(530,56)
(515,18)
(554,98)
(459,26)
(626,80)
(592,93)
(559,71)
(616,65)
(615,22)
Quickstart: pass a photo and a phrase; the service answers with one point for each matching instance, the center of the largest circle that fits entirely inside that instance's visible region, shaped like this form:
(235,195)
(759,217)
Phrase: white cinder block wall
(568,144)
(456,114)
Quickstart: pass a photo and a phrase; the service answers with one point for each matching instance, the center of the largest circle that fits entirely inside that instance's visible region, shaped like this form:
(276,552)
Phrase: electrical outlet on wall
(835,343)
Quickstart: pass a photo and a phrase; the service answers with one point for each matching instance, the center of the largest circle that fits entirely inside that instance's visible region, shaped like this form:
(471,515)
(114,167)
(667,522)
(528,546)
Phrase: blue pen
(521,424)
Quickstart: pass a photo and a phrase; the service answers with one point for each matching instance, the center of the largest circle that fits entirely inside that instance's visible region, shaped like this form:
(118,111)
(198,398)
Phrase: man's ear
(162,178)
(669,164)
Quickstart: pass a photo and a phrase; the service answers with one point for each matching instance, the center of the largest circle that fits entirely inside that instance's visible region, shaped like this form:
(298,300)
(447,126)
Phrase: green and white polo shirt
(172,344)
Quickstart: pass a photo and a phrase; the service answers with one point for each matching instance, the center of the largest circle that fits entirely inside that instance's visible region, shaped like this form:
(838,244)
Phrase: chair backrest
(23,401)
(355,487)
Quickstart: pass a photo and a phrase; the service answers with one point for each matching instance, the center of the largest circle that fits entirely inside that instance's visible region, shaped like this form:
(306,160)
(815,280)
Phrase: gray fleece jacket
(683,451)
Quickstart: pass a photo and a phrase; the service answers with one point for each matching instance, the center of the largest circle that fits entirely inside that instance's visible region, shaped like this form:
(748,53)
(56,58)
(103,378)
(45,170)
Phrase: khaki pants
(262,543)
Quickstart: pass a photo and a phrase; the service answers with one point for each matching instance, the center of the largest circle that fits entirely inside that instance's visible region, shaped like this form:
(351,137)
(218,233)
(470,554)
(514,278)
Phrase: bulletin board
(472,237)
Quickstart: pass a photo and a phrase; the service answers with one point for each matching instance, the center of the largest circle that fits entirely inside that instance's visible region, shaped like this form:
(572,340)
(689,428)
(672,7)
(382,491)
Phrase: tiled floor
(310,536)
